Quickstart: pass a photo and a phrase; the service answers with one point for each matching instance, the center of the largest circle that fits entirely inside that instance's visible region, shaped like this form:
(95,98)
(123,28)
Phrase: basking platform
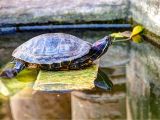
(63,81)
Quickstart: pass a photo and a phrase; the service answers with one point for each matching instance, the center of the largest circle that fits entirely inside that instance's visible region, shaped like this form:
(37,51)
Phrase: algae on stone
(24,79)
(61,81)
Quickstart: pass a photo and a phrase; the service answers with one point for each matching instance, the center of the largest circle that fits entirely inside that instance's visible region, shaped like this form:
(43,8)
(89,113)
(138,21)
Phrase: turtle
(55,52)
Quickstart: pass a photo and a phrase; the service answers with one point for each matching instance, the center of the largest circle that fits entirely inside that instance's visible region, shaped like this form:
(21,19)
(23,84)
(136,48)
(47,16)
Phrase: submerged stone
(24,79)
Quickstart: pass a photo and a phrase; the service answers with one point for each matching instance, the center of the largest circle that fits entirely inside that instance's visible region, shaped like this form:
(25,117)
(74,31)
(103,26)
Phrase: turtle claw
(10,73)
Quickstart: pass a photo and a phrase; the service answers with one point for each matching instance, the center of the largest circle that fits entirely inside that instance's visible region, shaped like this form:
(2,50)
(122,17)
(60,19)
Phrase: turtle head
(101,46)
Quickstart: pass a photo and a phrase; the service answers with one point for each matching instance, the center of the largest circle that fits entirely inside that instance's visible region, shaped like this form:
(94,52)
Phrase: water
(120,101)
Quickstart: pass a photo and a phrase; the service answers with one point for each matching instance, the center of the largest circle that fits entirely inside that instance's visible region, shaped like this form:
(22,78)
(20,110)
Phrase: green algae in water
(27,75)
(24,79)
(66,80)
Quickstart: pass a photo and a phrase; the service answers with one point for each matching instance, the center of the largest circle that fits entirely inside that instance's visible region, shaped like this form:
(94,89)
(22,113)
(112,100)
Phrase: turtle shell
(52,48)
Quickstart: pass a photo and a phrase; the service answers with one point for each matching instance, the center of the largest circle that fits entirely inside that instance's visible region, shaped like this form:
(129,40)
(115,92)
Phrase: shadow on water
(114,101)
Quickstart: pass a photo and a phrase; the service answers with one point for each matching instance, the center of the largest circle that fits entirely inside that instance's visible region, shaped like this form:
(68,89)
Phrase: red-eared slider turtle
(56,51)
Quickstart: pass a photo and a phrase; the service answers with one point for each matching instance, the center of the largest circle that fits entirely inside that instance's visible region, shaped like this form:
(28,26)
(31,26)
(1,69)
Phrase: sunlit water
(113,101)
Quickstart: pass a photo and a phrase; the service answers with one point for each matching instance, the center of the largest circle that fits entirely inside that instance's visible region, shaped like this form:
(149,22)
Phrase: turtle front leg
(12,72)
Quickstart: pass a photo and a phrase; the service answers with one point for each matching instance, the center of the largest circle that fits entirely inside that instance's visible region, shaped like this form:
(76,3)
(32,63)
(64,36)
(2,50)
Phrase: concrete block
(33,105)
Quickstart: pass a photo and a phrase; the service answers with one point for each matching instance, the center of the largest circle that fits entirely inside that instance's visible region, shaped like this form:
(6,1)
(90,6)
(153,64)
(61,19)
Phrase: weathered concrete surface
(31,11)
(147,13)
(98,106)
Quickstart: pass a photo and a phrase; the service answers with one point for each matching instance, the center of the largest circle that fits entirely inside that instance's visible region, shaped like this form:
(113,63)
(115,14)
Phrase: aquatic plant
(135,35)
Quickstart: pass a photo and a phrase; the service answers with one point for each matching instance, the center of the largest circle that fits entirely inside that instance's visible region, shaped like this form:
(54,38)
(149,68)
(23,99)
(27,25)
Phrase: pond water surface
(115,103)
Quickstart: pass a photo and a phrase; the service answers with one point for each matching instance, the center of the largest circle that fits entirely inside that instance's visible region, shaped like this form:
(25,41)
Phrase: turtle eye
(108,39)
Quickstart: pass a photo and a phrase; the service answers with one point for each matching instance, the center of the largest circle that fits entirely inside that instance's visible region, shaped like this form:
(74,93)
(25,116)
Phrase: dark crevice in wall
(117,21)
(150,40)
(42,27)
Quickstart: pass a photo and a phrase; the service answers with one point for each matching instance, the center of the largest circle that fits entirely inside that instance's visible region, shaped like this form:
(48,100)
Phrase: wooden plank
(62,81)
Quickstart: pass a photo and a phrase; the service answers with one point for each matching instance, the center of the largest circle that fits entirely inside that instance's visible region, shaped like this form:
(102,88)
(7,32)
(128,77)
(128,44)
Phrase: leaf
(137,39)
(126,34)
(117,35)
(136,30)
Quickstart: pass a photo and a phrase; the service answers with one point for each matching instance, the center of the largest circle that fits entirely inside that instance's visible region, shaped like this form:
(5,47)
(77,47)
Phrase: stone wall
(143,69)
(143,81)
(35,11)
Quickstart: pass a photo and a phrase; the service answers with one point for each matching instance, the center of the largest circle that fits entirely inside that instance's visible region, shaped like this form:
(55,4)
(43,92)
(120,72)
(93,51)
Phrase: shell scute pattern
(52,48)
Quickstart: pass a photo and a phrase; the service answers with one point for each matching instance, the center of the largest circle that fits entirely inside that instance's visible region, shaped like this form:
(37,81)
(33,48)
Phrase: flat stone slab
(63,81)
(49,81)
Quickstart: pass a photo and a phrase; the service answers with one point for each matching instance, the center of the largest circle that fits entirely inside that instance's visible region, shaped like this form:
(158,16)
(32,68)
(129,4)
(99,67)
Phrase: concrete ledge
(35,11)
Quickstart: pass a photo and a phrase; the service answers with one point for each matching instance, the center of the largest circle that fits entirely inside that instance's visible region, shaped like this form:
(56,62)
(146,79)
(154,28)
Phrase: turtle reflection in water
(56,51)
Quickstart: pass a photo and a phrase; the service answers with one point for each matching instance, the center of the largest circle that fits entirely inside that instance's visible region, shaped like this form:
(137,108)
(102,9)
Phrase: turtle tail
(12,72)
